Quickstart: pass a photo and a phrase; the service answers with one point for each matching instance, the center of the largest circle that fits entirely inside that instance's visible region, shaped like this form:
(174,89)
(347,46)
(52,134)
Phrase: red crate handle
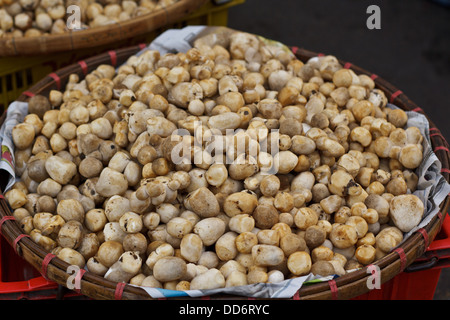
(442,244)
(437,253)
(34,284)
(38,283)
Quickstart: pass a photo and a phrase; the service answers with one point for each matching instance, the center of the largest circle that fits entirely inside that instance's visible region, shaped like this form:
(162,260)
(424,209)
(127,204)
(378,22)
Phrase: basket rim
(102,35)
(342,287)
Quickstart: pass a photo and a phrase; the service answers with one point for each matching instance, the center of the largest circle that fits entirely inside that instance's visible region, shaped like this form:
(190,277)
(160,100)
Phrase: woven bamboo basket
(344,287)
(99,36)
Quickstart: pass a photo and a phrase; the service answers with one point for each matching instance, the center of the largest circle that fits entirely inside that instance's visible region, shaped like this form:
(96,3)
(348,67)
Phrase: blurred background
(411,50)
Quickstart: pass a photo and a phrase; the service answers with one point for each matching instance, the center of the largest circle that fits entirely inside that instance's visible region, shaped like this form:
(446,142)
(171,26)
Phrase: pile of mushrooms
(100,189)
(32,18)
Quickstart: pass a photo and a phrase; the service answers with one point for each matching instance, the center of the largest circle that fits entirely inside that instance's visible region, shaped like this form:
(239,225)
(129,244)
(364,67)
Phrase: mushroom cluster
(31,18)
(100,186)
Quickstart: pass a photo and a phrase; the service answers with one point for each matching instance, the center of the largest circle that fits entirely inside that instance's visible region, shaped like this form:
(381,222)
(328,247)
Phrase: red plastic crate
(420,279)
(21,281)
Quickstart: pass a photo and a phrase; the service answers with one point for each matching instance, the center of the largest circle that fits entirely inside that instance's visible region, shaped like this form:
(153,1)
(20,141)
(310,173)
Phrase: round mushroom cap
(38,105)
(322,268)
(406,211)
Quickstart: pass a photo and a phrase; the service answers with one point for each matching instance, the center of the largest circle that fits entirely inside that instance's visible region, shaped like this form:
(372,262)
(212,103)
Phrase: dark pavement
(411,50)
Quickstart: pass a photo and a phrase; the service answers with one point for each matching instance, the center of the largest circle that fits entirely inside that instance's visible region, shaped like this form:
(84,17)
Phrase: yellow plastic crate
(17,74)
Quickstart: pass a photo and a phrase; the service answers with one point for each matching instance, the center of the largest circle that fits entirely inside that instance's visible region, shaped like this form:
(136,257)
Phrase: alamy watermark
(374,280)
(73,282)
(374,20)
(73,21)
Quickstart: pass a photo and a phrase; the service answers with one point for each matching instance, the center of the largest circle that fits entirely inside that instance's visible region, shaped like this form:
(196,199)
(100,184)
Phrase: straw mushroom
(343,236)
(314,236)
(322,268)
(109,252)
(266,216)
(226,246)
(365,254)
(23,135)
(411,156)
(210,229)
(70,234)
(240,203)
(111,183)
(169,269)
(203,202)
(23,21)
(44,21)
(59,169)
(131,222)
(127,266)
(406,211)
(71,257)
(94,266)
(299,263)
(211,279)
(16,198)
(71,209)
(388,238)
